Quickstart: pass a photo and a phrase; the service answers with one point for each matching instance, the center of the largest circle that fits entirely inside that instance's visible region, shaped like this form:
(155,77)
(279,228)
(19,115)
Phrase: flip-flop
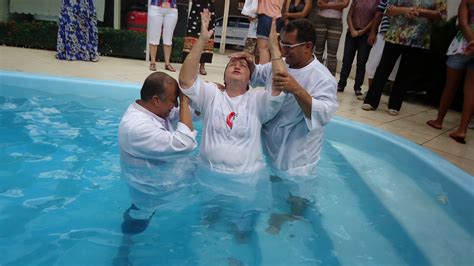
(458,139)
(169,67)
(152,66)
(202,72)
(433,126)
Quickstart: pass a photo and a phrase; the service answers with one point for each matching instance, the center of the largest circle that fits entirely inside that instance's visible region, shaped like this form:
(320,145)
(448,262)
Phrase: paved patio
(410,123)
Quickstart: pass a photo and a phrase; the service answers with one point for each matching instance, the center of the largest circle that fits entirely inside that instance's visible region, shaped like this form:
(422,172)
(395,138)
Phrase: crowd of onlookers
(389,38)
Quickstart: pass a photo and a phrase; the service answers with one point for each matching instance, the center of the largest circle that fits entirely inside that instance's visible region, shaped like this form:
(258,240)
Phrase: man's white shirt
(292,141)
(148,143)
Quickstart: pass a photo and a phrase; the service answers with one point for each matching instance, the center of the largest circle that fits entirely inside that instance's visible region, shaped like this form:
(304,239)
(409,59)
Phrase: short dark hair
(306,31)
(156,84)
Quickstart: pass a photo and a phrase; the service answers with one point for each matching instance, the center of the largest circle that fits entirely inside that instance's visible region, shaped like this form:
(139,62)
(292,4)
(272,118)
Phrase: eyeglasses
(290,46)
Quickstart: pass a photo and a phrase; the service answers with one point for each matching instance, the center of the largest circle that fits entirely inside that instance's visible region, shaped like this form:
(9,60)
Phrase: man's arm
(290,85)
(278,66)
(149,141)
(185,115)
(350,25)
(188,73)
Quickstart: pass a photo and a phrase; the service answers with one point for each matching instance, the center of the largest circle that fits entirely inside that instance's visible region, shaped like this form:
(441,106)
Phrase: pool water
(62,198)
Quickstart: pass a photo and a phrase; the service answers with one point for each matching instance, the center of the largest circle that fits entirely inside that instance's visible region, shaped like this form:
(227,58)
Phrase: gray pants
(328,30)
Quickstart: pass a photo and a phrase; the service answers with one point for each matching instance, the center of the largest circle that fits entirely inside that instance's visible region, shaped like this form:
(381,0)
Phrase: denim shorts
(264,25)
(460,61)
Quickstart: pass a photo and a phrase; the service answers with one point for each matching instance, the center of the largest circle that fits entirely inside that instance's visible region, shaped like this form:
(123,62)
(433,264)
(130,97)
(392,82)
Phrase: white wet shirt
(291,141)
(150,146)
(231,141)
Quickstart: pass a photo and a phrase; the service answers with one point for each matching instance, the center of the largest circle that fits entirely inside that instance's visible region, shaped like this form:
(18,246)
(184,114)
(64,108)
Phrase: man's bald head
(156,84)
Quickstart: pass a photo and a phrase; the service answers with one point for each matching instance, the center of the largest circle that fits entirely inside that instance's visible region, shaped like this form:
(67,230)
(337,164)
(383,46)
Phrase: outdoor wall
(4,10)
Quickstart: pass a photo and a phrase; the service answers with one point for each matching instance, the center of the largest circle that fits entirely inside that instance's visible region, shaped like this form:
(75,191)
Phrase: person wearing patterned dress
(77,31)
(193,30)
(409,37)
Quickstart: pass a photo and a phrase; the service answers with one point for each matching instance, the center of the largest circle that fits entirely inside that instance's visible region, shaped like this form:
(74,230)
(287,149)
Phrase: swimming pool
(380,199)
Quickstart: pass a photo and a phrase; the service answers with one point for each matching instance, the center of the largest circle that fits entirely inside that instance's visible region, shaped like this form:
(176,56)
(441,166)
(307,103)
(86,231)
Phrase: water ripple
(49,203)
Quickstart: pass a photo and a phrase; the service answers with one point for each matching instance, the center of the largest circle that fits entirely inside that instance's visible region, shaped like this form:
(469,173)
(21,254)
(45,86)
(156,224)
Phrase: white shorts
(374,59)
(161,18)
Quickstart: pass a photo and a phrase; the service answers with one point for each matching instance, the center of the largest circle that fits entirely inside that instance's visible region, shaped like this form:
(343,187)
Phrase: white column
(4,10)
(224,26)
(147,49)
(117,5)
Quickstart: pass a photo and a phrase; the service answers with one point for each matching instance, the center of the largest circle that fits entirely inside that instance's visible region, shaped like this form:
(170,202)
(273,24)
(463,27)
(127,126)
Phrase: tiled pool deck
(410,123)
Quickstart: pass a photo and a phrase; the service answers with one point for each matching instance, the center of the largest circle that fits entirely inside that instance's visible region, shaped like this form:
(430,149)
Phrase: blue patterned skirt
(77,31)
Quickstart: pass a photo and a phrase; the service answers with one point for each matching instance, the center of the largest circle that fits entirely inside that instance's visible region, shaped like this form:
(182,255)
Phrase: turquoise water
(377,199)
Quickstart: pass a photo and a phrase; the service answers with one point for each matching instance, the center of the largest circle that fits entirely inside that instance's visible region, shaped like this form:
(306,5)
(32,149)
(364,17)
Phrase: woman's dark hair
(306,31)
(155,84)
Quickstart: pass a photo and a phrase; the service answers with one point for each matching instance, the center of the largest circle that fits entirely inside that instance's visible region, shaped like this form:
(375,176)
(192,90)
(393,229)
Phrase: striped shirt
(385,23)
(164,3)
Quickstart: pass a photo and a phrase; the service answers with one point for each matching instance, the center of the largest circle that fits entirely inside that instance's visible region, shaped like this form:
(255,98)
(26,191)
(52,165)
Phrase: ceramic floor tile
(463,163)
(448,145)
(412,130)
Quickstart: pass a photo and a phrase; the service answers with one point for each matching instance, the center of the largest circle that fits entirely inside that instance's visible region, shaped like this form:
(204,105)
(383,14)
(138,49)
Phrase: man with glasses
(292,140)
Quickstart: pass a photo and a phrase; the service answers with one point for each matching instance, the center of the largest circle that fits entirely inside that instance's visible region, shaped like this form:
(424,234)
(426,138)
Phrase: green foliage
(112,42)
(34,34)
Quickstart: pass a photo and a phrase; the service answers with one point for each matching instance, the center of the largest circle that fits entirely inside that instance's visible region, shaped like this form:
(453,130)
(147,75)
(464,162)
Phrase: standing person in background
(460,59)
(193,31)
(162,15)
(266,10)
(409,37)
(294,9)
(250,10)
(378,29)
(359,21)
(77,31)
(328,23)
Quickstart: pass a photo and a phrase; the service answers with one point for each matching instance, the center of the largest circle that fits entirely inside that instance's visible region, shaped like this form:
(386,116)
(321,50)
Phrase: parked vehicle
(237,29)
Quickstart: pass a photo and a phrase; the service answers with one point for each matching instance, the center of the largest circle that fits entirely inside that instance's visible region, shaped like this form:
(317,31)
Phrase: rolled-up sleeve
(200,94)
(147,141)
(324,103)
(260,75)
(268,105)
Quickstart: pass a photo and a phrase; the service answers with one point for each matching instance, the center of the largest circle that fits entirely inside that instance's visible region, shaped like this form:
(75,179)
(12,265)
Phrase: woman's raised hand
(273,37)
(205,20)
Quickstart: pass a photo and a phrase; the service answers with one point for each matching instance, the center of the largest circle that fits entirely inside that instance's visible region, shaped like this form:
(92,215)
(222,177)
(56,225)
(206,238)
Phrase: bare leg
(453,77)
(202,69)
(167,53)
(263,52)
(153,49)
(468,108)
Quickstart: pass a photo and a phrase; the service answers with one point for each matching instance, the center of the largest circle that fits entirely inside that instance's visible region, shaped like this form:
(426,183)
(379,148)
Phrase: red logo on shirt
(230,119)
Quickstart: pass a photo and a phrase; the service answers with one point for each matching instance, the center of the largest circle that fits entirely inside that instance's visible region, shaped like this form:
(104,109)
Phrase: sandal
(169,67)
(202,72)
(153,66)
